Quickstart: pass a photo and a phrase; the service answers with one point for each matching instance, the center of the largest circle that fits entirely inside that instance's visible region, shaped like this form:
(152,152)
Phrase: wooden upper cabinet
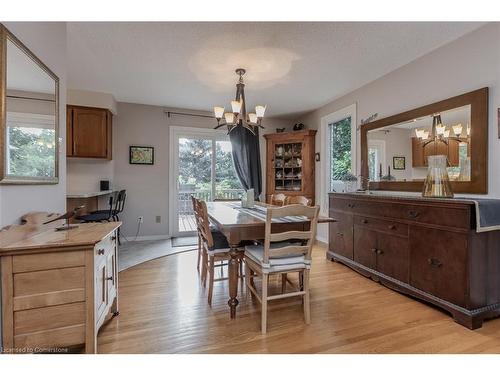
(421,152)
(89,132)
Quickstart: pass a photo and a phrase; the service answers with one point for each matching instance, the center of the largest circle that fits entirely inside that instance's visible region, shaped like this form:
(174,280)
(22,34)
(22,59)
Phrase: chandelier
(239,116)
(440,133)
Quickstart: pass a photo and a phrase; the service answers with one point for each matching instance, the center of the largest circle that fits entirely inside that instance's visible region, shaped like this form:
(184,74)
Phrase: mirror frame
(5,35)
(478,100)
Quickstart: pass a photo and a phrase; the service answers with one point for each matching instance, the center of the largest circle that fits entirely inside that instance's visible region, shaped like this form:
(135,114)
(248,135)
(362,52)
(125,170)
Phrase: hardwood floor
(163,309)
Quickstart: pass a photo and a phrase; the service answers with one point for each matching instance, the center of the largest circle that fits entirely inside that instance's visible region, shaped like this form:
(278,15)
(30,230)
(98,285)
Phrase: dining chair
(278,257)
(278,199)
(215,248)
(195,203)
(299,199)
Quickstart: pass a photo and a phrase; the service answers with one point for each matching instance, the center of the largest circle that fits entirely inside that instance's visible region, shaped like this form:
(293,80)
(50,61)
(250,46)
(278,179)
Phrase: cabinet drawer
(438,263)
(458,216)
(382,225)
(47,261)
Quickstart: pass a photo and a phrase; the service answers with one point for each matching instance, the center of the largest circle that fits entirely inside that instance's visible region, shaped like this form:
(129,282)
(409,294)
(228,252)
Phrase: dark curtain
(246,158)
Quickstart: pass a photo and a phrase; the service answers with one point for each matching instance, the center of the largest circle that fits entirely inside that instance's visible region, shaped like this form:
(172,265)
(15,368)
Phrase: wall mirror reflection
(399,152)
(30,122)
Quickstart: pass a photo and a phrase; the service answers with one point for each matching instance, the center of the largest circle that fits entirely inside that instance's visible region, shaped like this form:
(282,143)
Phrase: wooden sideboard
(58,287)
(426,248)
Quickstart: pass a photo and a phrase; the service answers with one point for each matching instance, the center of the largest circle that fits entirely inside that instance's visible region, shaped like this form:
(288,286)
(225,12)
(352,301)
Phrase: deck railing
(185,205)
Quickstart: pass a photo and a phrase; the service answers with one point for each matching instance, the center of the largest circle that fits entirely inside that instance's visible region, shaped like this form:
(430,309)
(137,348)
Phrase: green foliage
(195,156)
(31,152)
(340,149)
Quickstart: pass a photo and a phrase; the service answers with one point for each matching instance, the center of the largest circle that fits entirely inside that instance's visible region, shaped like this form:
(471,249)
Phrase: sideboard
(58,287)
(426,248)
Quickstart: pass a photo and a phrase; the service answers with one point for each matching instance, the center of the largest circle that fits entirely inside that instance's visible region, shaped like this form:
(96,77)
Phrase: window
(338,151)
(376,159)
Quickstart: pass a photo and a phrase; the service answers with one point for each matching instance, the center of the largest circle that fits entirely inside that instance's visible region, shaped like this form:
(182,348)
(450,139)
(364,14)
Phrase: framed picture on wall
(399,163)
(144,155)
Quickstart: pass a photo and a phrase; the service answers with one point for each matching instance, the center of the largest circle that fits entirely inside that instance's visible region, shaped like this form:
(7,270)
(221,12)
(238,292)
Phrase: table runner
(260,213)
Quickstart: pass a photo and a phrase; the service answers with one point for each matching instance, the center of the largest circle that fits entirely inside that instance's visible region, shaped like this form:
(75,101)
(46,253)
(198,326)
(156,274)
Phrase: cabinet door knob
(413,214)
(373,250)
(113,238)
(340,234)
(392,227)
(110,278)
(100,252)
(434,262)
(364,221)
(380,252)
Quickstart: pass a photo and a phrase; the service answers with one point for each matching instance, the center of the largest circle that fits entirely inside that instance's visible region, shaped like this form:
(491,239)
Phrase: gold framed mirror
(29,116)
(394,150)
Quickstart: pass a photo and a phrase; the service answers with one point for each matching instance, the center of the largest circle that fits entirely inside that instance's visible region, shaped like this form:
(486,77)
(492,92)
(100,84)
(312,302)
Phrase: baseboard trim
(148,238)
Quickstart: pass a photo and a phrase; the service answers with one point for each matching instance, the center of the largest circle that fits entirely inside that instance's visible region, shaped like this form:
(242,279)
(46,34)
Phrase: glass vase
(437,183)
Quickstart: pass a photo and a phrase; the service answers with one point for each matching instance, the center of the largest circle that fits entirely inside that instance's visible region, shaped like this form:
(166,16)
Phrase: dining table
(241,224)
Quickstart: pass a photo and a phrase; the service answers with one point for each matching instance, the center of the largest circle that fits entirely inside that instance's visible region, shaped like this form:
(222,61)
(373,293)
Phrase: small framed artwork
(399,163)
(144,155)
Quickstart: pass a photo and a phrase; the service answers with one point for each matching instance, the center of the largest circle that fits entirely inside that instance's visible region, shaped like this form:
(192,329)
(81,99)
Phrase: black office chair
(98,216)
(119,206)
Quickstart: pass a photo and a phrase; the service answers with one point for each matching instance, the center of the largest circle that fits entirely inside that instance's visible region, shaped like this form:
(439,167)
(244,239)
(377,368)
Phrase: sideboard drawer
(438,263)
(388,226)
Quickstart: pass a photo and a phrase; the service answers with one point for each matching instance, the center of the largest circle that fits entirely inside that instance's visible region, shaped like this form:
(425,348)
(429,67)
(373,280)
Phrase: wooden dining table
(246,224)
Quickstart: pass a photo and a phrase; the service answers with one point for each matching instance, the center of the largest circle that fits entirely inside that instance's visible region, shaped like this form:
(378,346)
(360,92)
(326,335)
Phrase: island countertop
(39,237)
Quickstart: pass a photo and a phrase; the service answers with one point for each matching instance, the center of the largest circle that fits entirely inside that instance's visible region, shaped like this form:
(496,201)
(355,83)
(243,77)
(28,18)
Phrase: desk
(88,199)
(238,225)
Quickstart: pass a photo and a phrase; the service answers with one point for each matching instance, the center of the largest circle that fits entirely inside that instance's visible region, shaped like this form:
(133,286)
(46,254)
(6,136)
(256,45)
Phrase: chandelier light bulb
(447,133)
(440,129)
(219,112)
(260,110)
(229,117)
(236,106)
(419,132)
(253,118)
(457,129)
(425,135)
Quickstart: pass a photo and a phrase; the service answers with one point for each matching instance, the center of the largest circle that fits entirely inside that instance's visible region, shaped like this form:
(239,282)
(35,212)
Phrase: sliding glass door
(202,167)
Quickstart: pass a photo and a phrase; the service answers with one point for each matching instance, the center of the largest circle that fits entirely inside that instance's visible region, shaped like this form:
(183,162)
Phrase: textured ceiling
(291,67)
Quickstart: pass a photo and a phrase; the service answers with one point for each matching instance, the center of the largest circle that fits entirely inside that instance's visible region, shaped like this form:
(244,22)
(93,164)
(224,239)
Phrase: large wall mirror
(395,150)
(29,129)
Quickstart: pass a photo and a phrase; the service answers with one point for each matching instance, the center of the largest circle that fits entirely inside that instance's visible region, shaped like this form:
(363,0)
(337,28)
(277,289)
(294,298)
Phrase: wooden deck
(163,309)
(187,223)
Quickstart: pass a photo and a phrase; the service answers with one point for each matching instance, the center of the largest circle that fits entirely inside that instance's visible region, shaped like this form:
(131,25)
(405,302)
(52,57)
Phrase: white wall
(466,64)
(47,40)
(147,186)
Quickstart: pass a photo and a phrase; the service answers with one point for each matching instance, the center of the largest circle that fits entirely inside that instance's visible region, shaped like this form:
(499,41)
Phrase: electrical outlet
(140,219)
(158,219)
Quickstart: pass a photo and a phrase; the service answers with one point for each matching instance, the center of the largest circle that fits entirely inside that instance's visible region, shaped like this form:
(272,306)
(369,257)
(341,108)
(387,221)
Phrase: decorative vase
(437,183)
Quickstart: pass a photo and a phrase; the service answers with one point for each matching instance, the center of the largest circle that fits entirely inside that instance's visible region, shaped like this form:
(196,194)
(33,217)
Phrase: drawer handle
(364,221)
(413,214)
(110,278)
(340,234)
(434,263)
(113,238)
(380,252)
(351,205)
(392,227)
(373,250)
(100,252)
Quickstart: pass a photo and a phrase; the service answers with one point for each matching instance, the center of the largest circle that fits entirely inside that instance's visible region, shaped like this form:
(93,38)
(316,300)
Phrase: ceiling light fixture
(238,116)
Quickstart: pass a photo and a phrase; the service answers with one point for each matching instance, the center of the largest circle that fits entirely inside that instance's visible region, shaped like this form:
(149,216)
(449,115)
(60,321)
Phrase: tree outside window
(340,150)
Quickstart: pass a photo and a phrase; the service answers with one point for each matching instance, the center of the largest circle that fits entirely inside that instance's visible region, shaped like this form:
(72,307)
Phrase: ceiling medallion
(238,116)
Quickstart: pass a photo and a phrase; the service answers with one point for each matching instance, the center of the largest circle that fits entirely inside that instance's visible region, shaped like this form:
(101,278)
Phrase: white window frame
(349,111)
(177,132)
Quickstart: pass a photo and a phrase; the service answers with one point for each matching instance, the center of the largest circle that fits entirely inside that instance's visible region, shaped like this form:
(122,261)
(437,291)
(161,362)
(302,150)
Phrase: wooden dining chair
(195,203)
(299,199)
(278,199)
(278,257)
(215,248)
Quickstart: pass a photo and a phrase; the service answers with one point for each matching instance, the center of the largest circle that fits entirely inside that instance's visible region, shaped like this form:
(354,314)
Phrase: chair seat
(94,217)
(277,263)
(103,212)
